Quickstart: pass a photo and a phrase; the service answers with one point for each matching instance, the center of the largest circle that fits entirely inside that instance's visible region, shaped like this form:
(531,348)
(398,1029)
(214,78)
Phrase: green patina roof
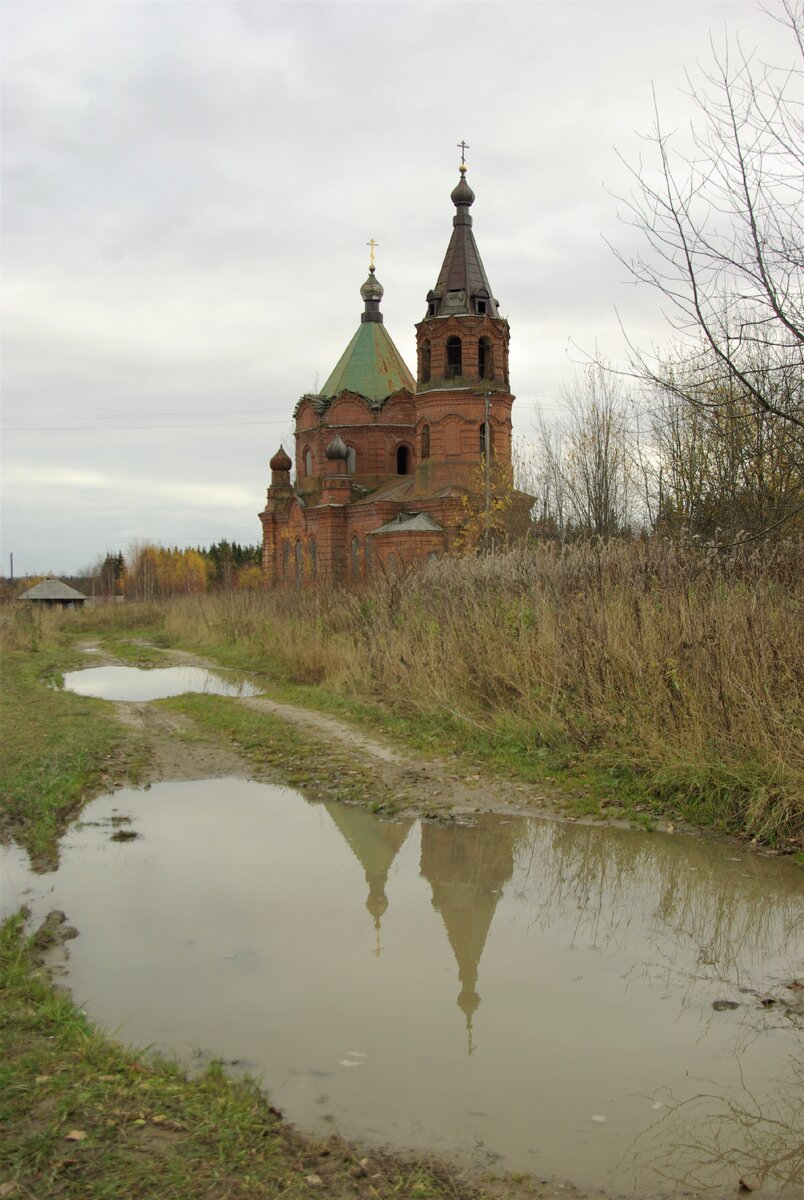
(370,365)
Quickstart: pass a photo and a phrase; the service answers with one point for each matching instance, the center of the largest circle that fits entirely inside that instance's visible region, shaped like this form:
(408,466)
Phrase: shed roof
(409,523)
(51,589)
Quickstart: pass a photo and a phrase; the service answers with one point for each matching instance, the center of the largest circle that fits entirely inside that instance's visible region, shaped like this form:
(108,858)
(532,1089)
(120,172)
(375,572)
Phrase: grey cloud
(188,192)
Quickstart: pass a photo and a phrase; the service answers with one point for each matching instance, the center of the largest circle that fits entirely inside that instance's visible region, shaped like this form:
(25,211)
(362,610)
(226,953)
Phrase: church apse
(467,868)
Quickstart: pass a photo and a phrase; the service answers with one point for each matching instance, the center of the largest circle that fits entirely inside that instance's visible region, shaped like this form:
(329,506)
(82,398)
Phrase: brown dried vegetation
(678,666)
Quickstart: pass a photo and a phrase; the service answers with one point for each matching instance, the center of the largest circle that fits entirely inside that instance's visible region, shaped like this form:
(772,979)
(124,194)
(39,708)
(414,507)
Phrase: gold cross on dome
(373,246)
(463,147)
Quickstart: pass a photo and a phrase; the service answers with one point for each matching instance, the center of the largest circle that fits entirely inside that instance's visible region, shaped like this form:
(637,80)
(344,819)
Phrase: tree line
(149,571)
(626,459)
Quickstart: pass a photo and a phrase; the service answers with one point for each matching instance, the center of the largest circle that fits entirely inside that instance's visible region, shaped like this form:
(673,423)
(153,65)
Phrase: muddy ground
(422,787)
(177,748)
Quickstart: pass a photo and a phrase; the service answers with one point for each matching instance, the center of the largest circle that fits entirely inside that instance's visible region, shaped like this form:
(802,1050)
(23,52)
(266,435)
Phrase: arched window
(308,461)
(454,364)
(425,441)
(390,564)
(299,564)
(402,460)
(312,557)
(485,365)
(355,557)
(425,362)
(285,557)
(351,461)
(483,439)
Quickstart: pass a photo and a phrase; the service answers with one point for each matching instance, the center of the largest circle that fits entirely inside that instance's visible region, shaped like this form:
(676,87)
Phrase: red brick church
(390,470)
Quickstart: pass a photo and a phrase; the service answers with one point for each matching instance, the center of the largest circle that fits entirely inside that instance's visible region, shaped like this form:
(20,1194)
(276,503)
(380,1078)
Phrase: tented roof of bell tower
(462,279)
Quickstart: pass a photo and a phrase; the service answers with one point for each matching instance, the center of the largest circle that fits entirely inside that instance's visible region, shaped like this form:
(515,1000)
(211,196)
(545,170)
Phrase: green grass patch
(135,652)
(747,799)
(58,748)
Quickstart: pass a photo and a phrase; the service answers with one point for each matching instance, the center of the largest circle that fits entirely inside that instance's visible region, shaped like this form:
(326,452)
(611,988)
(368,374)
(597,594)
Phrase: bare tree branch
(723,228)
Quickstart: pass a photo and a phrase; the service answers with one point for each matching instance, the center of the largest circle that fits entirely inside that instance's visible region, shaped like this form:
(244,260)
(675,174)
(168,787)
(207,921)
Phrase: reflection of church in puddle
(375,844)
(466,867)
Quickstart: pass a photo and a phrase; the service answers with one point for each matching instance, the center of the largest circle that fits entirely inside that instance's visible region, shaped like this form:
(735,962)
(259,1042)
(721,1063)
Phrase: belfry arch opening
(485,362)
(426,361)
(454,358)
(402,460)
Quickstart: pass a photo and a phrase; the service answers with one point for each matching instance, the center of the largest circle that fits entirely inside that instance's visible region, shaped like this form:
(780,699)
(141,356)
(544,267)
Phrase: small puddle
(538,996)
(134,683)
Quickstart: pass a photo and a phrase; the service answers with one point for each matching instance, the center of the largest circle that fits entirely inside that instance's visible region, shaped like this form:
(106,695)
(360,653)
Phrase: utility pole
(487,454)
(11,556)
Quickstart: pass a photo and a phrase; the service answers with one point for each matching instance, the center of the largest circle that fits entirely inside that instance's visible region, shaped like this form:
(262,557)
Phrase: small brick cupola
(336,485)
(280,466)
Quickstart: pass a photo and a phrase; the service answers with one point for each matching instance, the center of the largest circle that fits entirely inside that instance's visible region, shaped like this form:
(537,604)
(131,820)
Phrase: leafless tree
(586,462)
(723,233)
(728,467)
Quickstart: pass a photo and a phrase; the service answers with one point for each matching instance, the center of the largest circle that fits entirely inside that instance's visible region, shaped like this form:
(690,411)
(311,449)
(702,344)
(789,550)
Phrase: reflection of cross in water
(373,246)
(377,946)
(463,147)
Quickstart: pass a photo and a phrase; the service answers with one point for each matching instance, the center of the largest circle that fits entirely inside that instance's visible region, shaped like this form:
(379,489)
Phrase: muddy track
(178,749)
(421,785)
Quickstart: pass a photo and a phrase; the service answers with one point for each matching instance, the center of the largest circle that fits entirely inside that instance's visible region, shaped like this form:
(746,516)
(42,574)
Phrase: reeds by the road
(679,664)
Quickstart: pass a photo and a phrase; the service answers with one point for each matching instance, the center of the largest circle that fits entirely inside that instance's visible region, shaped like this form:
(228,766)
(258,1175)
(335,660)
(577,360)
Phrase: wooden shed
(53,593)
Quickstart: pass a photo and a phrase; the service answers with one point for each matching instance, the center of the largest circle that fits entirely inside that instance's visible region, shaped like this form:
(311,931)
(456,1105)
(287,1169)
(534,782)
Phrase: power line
(190,412)
(529,400)
(188,425)
(134,428)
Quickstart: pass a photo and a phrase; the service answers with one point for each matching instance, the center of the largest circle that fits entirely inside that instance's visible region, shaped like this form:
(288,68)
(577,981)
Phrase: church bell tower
(462,361)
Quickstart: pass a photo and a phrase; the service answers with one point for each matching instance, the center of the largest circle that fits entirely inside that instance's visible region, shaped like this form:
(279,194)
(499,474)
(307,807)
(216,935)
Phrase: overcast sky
(188,192)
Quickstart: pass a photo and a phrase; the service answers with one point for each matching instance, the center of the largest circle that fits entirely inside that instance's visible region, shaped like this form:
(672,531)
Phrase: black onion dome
(337,449)
(462,194)
(372,289)
(281,460)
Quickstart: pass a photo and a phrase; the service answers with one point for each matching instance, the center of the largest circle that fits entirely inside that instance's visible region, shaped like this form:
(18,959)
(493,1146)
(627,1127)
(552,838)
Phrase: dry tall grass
(680,663)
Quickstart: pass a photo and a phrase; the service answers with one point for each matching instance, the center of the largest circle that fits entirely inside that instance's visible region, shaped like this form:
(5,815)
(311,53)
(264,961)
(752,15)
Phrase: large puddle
(134,683)
(546,997)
